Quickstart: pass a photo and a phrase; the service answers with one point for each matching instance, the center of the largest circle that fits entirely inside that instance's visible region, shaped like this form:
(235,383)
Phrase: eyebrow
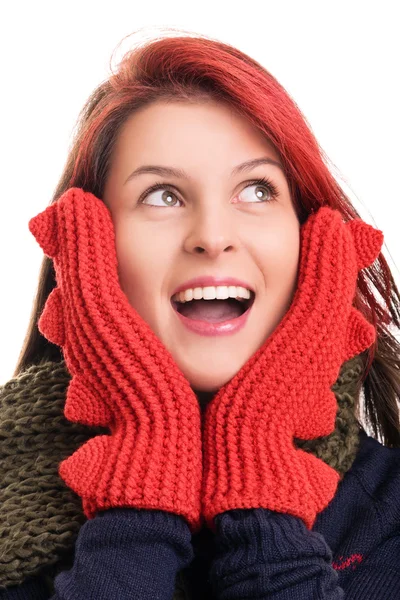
(171,172)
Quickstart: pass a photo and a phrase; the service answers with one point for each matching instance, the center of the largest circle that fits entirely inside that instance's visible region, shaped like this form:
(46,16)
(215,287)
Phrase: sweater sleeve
(261,553)
(122,553)
(266,554)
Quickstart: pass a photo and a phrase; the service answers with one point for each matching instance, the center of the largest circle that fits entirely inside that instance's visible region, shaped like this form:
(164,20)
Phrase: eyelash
(263,181)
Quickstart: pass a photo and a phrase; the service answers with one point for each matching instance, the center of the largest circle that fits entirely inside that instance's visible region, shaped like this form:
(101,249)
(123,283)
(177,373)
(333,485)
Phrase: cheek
(142,264)
(280,255)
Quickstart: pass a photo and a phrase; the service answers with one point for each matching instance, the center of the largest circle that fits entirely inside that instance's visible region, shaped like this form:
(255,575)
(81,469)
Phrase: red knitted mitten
(123,377)
(284,390)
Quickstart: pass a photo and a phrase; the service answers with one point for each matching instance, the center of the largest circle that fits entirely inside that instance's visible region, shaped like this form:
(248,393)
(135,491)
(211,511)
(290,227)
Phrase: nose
(211,231)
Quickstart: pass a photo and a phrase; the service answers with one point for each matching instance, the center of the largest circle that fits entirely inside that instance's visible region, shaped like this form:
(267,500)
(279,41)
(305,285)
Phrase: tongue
(213,311)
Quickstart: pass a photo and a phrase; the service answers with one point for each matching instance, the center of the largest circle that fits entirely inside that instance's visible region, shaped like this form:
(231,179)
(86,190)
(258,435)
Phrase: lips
(221,328)
(214,328)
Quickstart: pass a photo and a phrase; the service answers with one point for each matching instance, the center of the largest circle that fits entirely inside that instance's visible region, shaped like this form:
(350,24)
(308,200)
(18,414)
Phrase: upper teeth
(221,292)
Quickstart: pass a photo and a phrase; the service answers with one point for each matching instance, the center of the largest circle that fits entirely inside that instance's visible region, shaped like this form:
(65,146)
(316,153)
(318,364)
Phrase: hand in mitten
(123,377)
(284,391)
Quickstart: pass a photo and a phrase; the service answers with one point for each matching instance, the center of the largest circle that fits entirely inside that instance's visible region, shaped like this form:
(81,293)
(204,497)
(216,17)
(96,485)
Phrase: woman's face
(212,222)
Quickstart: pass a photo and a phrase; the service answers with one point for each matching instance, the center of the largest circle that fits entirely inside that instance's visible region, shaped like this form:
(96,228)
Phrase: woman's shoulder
(377,467)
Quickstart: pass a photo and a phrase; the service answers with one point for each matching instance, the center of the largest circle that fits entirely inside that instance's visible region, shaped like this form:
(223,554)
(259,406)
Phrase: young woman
(184,418)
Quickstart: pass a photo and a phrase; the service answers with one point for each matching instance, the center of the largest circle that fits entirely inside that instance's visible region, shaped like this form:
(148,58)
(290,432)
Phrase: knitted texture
(284,390)
(123,377)
(40,516)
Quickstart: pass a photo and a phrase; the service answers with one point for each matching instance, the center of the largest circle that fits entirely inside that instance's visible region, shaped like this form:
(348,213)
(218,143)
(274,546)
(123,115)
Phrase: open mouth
(214,311)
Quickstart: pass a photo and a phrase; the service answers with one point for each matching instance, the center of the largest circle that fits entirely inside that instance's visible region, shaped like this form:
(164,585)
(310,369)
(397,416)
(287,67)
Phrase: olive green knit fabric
(40,516)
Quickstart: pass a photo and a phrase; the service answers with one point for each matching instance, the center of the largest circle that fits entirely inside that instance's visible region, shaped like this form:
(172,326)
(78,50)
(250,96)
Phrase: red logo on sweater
(353,561)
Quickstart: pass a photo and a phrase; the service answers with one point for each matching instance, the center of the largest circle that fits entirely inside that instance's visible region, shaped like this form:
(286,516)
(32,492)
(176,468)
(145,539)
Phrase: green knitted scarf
(40,516)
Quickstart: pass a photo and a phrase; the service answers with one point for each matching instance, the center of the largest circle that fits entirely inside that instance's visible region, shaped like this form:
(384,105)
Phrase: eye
(261,185)
(169,198)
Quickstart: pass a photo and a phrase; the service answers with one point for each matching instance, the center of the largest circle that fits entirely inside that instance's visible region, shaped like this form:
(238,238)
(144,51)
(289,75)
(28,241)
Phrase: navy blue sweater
(353,551)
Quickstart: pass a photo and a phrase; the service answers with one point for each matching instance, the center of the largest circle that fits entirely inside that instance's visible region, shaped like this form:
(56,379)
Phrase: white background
(339,61)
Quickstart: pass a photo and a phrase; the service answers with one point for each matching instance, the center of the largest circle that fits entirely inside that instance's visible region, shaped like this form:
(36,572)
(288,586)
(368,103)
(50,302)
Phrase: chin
(209,371)
(204,381)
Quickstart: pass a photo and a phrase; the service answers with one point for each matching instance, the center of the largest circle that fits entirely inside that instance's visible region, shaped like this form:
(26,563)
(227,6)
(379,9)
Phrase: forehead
(186,128)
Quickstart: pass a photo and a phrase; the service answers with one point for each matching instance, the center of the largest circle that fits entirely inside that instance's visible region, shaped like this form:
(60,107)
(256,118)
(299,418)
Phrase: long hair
(190,68)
